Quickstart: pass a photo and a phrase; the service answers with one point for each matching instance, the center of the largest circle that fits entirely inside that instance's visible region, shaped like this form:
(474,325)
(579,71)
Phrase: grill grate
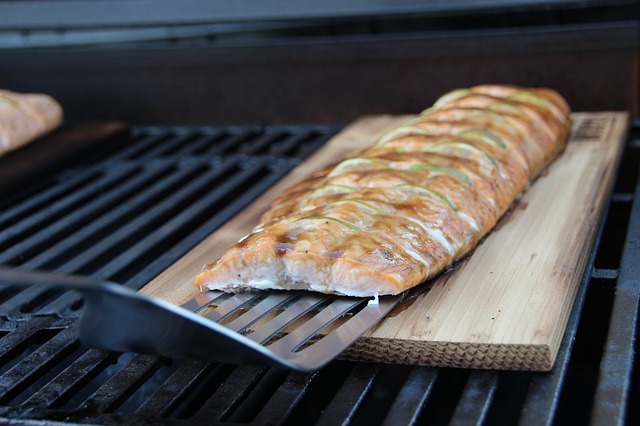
(127,216)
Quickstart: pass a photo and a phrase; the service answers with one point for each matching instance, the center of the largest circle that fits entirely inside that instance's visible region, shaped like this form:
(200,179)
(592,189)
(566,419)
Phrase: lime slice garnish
(8,101)
(442,169)
(471,114)
(531,98)
(504,107)
(361,204)
(388,148)
(534,99)
(421,191)
(357,164)
(451,96)
(404,131)
(332,189)
(327,220)
(484,136)
(461,149)
(422,118)
(506,122)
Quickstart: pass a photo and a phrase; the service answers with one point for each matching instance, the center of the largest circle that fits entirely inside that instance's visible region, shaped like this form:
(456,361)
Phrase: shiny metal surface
(285,330)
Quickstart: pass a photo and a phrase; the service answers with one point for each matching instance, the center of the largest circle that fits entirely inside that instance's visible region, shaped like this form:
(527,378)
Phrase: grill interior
(127,211)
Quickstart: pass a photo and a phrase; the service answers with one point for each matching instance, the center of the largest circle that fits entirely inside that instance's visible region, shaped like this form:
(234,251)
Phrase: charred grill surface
(128,212)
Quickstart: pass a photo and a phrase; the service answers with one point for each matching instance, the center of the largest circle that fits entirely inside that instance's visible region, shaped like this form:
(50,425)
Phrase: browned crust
(408,206)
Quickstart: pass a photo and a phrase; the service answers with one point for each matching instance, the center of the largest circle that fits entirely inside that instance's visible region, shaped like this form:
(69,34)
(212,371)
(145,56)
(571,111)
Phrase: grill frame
(98,387)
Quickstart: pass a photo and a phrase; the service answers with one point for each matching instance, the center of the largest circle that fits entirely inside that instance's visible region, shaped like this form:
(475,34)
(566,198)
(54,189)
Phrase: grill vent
(129,214)
(595,128)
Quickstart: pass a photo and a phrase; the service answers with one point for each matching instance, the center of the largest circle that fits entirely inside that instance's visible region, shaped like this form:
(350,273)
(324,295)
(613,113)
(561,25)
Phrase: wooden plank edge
(526,357)
(452,354)
(617,134)
(493,356)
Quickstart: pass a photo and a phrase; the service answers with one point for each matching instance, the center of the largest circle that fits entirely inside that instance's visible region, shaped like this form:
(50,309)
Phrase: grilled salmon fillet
(25,117)
(404,209)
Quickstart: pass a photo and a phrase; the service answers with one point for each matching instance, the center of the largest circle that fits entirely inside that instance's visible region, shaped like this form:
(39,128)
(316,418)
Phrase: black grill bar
(193,398)
(138,210)
(26,237)
(612,399)
(262,395)
(541,406)
(349,397)
(412,397)
(169,146)
(33,367)
(28,301)
(230,143)
(129,215)
(291,144)
(198,208)
(120,239)
(124,202)
(476,399)
(44,197)
(64,386)
(230,394)
(225,209)
(172,392)
(144,143)
(200,145)
(122,385)
(260,145)
(284,399)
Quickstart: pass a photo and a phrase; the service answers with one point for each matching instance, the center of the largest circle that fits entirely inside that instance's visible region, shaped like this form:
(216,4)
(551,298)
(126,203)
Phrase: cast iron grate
(47,374)
(129,216)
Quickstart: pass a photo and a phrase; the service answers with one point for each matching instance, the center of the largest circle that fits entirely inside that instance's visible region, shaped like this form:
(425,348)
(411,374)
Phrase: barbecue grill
(209,112)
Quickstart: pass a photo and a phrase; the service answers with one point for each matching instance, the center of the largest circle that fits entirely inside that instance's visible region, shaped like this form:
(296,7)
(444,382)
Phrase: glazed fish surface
(26,116)
(404,209)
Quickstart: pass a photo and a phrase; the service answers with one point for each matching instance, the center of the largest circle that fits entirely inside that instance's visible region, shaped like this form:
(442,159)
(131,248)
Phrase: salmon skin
(404,209)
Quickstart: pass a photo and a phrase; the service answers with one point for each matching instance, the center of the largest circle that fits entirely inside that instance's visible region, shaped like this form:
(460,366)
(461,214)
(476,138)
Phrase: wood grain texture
(506,305)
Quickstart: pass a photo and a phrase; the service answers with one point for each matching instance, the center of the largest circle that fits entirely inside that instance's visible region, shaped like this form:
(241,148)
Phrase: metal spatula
(297,330)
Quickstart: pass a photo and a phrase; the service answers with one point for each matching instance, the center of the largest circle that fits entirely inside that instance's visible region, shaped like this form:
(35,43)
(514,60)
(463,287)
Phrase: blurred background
(208,62)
